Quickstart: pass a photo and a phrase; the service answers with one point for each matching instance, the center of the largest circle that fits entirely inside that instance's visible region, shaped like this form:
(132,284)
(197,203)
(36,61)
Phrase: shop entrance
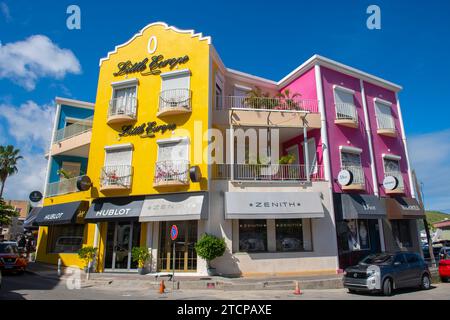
(120,239)
(185,255)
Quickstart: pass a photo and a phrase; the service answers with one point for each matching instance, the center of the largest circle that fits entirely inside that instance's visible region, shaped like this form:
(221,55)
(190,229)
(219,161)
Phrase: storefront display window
(65,239)
(401,232)
(354,235)
(289,235)
(252,235)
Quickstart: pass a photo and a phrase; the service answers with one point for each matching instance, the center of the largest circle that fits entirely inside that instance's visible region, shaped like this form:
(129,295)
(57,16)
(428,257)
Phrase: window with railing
(352,162)
(345,105)
(64,186)
(74,129)
(124,102)
(392,168)
(116,175)
(385,120)
(266,103)
(175,99)
(173,161)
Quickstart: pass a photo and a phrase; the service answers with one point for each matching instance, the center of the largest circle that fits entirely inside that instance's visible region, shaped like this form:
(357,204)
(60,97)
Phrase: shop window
(65,239)
(401,232)
(292,235)
(353,235)
(252,235)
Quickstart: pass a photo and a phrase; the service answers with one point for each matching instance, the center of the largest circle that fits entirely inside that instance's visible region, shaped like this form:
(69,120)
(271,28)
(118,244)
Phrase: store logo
(146,130)
(113,212)
(54,216)
(368,207)
(153,68)
(410,208)
(284,204)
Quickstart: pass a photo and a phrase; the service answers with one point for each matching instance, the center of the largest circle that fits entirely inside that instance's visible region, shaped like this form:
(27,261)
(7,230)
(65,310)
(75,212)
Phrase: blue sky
(268,39)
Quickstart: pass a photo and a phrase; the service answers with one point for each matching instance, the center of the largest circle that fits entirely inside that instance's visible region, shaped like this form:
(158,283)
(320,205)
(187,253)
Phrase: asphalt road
(33,287)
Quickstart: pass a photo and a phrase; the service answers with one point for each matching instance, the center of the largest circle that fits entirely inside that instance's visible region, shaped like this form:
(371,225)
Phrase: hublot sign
(153,68)
(146,130)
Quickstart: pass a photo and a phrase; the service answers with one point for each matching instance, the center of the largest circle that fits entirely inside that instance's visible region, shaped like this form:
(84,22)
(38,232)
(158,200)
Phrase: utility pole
(425,223)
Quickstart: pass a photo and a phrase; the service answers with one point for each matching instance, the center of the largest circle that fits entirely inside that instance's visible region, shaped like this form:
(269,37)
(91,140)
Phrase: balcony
(73,140)
(267,173)
(386,126)
(176,101)
(171,173)
(62,187)
(358,181)
(122,110)
(346,115)
(400,187)
(265,111)
(116,178)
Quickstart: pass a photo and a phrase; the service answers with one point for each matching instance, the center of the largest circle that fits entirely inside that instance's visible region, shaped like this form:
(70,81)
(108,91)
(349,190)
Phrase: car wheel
(387,287)
(426,282)
(352,291)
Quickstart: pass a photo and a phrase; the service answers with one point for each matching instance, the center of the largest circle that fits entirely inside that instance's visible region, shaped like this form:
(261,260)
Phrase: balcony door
(173,160)
(124,100)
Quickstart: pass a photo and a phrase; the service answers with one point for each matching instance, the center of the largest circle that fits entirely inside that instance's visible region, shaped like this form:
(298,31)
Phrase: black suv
(385,272)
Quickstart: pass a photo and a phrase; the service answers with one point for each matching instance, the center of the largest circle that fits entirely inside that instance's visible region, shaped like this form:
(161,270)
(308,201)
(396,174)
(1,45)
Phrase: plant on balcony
(141,256)
(112,177)
(210,247)
(288,100)
(65,174)
(87,254)
(287,159)
(257,99)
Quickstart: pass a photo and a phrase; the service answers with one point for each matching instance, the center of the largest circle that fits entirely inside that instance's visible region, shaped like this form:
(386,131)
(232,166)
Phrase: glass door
(121,238)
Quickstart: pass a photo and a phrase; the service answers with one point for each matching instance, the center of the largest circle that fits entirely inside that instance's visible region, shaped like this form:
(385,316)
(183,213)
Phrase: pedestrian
(29,246)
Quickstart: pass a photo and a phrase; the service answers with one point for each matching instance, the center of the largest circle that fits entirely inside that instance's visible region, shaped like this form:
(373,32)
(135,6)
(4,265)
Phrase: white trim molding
(351,149)
(174,139)
(74,103)
(166,27)
(391,156)
(169,74)
(125,83)
(347,90)
(241,87)
(124,146)
(382,101)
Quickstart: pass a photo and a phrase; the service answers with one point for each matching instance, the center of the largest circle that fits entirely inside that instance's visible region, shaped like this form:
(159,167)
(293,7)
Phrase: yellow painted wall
(171,44)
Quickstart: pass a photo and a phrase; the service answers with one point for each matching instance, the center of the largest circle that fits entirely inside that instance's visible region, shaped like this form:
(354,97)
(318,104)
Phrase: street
(33,287)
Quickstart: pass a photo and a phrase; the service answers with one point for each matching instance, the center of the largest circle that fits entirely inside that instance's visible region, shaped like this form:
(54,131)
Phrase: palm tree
(289,99)
(9,156)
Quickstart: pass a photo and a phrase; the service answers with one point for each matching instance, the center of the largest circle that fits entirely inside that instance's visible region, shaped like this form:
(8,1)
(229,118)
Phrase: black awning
(64,213)
(115,209)
(30,221)
(358,206)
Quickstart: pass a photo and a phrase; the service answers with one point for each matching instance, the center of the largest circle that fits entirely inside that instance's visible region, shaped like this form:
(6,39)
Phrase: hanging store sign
(148,66)
(146,130)
(390,183)
(345,177)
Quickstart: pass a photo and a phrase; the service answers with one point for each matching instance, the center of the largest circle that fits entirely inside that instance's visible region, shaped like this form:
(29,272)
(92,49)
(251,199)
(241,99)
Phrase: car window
(8,248)
(400,258)
(377,259)
(412,258)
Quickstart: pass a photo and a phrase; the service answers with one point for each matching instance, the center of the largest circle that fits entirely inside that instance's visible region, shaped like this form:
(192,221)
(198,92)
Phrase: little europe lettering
(154,67)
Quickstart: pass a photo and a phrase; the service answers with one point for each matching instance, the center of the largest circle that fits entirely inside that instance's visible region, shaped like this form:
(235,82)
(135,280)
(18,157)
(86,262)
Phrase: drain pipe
(325,148)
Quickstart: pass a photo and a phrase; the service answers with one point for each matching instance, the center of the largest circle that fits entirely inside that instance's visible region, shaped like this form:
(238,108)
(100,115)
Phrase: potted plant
(141,256)
(289,101)
(87,254)
(210,247)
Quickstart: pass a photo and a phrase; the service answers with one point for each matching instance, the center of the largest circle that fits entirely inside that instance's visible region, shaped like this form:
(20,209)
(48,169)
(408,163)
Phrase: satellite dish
(345,178)
(195,174)
(84,183)
(35,196)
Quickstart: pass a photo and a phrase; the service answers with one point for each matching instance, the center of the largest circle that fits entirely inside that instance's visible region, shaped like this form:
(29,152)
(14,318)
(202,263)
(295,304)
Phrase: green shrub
(210,247)
(87,254)
(140,255)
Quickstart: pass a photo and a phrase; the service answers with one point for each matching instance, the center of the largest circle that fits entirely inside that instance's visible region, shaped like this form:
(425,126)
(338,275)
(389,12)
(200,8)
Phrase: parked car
(426,252)
(385,272)
(444,264)
(11,259)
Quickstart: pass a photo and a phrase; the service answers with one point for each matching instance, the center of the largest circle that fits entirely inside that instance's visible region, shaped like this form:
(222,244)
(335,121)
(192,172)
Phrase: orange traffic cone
(297,288)
(162,287)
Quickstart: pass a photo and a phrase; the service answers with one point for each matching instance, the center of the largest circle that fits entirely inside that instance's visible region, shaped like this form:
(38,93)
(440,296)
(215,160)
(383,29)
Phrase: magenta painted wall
(383,144)
(305,85)
(343,136)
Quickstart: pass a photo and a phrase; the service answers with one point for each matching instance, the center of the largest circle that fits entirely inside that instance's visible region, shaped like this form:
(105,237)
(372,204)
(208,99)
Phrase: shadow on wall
(231,264)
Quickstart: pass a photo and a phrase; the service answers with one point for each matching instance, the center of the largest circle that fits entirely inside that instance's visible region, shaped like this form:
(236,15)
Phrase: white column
(49,161)
(231,152)
(369,138)
(402,127)
(323,127)
(306,151)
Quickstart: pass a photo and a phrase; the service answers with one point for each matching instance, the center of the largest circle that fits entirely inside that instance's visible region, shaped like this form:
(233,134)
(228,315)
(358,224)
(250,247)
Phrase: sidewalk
(152,281)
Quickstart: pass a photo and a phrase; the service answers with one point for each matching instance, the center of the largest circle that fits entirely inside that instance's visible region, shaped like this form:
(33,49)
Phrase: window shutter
(180,81)
(118,158)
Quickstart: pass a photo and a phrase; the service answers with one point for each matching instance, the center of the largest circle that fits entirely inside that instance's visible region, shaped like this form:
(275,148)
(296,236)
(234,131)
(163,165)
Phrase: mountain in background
(433,217)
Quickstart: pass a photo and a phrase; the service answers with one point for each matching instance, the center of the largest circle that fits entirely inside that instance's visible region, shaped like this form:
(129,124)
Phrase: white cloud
(29,129)
(29,124)
(5,11)
(24,62)
(430,157)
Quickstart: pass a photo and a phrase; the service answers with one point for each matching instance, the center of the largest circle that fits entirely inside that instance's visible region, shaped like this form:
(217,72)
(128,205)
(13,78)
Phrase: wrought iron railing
(119,175)
(357,172)
(266,103)
(175,99)
(122,106)
(346,111)
(172,171)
